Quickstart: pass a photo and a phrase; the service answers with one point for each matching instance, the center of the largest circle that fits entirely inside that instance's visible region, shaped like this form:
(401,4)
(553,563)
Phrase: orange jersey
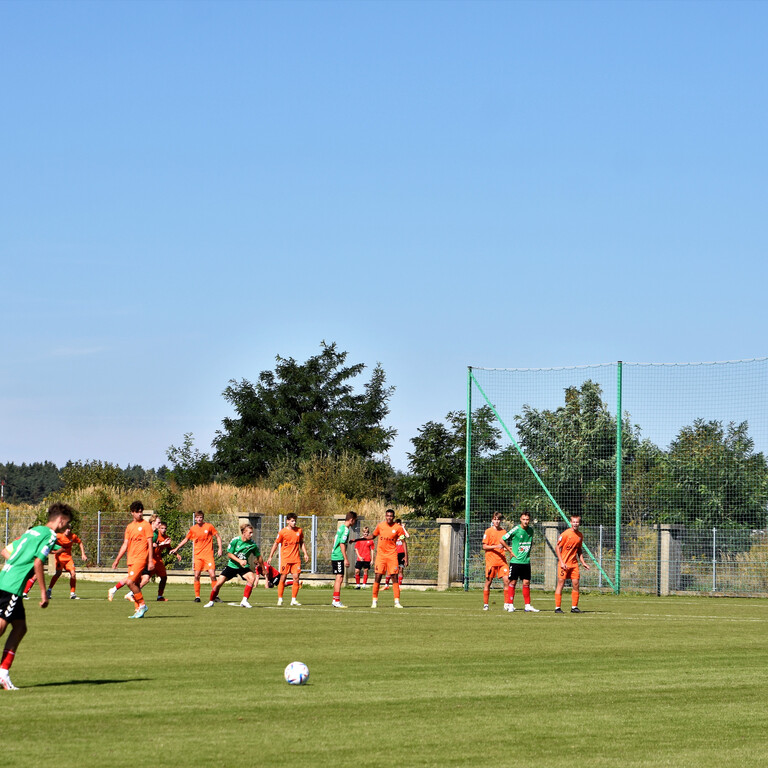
(290,540)
(570,546)
(160,547)
(493,557)
(388,535)
(137,534)
(66,542)
(202,537)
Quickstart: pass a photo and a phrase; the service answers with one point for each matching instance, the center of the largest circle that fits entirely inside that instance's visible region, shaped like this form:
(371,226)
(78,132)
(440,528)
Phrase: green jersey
(37,543)
(520,540)
(242,550)
(342,534)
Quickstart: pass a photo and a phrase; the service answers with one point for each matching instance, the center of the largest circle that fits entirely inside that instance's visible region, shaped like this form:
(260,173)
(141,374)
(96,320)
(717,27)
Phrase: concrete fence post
(451,548)
(670,557)
(551,533)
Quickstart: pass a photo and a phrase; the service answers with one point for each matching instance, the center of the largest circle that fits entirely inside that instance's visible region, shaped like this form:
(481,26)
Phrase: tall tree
(301,410)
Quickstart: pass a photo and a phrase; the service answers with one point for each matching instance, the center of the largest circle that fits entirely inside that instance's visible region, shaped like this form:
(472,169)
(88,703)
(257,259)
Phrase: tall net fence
(688,452)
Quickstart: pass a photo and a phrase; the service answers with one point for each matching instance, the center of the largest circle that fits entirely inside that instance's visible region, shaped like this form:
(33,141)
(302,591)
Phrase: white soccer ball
(296,673)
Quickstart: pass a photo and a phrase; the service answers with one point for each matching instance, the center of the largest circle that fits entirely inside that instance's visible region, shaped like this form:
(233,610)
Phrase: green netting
(693,438)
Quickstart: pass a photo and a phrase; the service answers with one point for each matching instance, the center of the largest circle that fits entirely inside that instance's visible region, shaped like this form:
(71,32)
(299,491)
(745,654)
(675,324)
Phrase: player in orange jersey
(386,564)
(64,561)
(495,559)
(201,534)
(138,545)
(290,540)
(569,552)
(161,543)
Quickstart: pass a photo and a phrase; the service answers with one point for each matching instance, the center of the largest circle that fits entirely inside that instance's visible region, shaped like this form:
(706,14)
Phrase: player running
(26,553)
(161,544)
(520,540)
(290,540)
(495,560)
(64,561)
(388,533)
(569,552)
(138,544)
(339,560)
(363,551)
(201,534)
(240,549)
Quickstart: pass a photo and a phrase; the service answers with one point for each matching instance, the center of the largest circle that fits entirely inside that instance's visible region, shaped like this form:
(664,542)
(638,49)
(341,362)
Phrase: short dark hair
(200,512)
(351,515)
(398,520)
(390,510)
(495,515)
(137,506)
(291,516)
(576,515)
(59,508)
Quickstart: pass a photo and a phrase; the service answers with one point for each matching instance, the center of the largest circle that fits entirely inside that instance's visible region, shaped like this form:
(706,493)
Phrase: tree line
(316,425)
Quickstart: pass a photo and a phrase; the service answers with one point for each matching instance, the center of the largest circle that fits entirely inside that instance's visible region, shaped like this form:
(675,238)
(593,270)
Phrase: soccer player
(201,534)
(239,550)
(520,540)
(64,561)
(161,544)
(138,544)
(388,533)
(402,553)
(495,560)
(363,551)
(27,552)
(290,540)
(339,559)
(569,552)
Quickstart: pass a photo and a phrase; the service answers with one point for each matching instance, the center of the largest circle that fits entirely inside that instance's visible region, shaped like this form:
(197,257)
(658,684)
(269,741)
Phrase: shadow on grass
(105,681)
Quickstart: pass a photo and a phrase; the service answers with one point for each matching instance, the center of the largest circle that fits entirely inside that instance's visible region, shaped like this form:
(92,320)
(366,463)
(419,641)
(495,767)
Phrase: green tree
(301,410)
(436,485)
(714,477)
(189,466)
(81,474)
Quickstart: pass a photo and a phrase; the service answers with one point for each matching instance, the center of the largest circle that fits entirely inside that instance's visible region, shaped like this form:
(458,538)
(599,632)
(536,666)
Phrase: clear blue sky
(189,189)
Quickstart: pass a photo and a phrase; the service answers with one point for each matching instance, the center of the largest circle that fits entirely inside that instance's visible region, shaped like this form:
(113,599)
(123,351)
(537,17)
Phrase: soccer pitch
(633,681)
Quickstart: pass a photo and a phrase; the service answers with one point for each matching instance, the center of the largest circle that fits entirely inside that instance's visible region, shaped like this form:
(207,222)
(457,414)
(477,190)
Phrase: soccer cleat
(485,607)
(279,601)
(111,594)
(5,681)
(363,586)
(338,604)
(217,599)
(26,596)
(161,599)
(558,610)
(357,587)
(374,603)
(398,604)
(48,593)
(140,611)
(575,609)
(295,602)
(130,597)
(209,604)
(197,599)
(530,609)
(245,604)
(386,587)
(73,596)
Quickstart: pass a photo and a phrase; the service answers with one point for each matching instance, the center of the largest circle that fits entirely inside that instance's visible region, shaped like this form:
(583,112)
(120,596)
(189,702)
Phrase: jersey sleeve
(76,539)
(377,531)
(214,532)
(231,547)
(44,547)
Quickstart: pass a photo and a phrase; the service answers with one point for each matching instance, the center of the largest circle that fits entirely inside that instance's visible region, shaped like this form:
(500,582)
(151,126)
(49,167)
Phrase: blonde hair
(243,526)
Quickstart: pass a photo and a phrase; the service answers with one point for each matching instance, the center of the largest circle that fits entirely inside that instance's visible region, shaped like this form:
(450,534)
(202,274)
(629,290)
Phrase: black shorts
(11,607)
(401,559)
(337,567)
(230,572)
(519,571)
(363,565)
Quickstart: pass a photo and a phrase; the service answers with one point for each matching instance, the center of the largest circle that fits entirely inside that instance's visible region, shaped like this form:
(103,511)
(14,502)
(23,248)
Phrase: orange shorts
(294,568)
(571,572)
(67,564)
(159,569)
(136,569)
(204,564)
(388,566)
(496,571)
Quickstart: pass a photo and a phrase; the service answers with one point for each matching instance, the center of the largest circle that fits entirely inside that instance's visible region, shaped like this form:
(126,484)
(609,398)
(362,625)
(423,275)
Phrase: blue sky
(189,189)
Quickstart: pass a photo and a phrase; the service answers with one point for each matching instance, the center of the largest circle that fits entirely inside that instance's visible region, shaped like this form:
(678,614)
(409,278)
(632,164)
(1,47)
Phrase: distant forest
(31,483)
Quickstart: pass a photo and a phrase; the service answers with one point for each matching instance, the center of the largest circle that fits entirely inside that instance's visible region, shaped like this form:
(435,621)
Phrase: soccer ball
(296,673)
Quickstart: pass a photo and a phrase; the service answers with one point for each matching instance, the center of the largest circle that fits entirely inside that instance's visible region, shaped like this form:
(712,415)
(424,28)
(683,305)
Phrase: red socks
(7,660)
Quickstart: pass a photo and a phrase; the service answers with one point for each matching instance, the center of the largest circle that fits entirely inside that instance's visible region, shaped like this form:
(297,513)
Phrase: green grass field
(633,681)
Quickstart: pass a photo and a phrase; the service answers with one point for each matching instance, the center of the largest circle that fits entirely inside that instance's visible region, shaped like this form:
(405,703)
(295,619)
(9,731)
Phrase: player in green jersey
(25,554)
(520,540)
(339,560)
(240,552)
